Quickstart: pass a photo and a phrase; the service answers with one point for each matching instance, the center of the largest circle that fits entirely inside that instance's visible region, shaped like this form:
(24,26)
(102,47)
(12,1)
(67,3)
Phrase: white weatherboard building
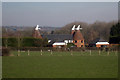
(99,42)
(102,44)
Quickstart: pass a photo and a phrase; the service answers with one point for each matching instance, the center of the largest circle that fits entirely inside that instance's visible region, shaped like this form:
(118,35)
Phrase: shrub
(70,45)
(5,52)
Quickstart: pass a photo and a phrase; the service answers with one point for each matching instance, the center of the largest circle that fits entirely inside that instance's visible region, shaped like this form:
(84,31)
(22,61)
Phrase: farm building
(61,40)
(99,42)
(36,33)
(78,39)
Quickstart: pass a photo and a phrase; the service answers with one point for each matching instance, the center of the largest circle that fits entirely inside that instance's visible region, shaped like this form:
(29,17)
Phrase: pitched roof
(37,34)
(58,37)
(101,40)
(78,35)
(97,40)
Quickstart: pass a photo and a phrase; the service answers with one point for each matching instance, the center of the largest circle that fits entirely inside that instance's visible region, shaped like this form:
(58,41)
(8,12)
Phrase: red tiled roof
(78,35)
(37,34)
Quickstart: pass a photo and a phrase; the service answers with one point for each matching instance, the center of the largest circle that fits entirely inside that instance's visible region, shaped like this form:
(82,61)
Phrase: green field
(60,65)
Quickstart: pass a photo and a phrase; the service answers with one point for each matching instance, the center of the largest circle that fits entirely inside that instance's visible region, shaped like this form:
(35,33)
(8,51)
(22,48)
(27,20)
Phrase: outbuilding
(99,42)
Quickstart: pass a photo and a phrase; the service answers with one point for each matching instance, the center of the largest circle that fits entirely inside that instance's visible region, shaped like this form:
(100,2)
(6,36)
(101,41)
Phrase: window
(81,45)
(81,41)
(75,41)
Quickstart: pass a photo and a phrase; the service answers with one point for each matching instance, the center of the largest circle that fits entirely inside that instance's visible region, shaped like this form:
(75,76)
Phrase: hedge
(24,42)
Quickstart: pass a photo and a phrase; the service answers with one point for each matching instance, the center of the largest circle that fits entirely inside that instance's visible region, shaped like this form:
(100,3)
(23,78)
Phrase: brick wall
(79,43)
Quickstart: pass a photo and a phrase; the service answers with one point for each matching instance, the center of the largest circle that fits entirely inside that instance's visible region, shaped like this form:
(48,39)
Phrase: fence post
(90,52)
(116,53)
(18,53)
(41,52)
(99,52)
(71,53)
(28,52)
(51,52)
(108,53)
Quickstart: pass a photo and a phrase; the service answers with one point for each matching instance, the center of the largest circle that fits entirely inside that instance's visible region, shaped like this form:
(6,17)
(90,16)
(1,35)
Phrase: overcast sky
(57,14)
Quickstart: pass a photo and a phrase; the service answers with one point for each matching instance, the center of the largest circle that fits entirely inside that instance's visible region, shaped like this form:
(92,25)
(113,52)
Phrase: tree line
(89,31)
(115,34)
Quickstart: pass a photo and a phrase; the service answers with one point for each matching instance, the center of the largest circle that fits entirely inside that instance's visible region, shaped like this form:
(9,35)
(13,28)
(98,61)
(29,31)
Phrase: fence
(89,51)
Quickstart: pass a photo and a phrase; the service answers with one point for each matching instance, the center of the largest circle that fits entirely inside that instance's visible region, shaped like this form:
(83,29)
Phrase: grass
(61,65)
